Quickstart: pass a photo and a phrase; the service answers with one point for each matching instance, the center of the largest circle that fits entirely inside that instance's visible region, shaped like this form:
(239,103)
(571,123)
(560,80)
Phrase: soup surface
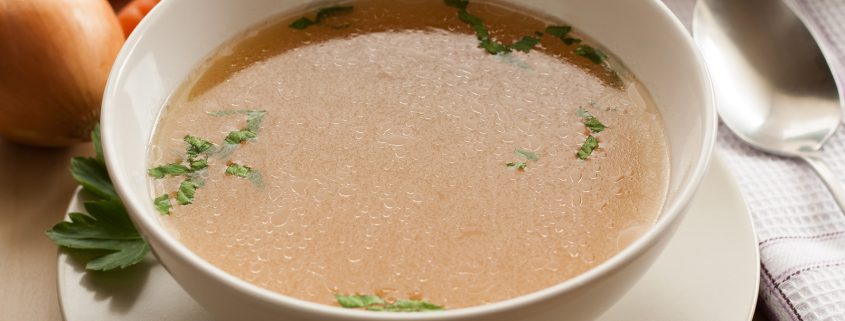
(382,151)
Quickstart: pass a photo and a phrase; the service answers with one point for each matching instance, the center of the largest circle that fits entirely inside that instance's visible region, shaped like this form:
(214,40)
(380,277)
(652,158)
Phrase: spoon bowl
(774,88)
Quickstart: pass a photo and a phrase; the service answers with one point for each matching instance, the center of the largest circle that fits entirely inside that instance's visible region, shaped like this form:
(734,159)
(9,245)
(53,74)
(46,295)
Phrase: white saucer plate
(709,271)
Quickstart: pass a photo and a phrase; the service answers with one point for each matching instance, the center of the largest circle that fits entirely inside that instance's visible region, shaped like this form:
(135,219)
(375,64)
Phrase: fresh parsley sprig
(376,303)
(106,227)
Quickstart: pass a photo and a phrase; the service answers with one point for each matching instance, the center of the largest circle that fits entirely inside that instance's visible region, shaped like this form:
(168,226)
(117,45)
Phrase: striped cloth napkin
(800,229)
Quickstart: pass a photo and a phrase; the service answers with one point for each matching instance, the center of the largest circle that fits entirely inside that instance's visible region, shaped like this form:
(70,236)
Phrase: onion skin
(55,56)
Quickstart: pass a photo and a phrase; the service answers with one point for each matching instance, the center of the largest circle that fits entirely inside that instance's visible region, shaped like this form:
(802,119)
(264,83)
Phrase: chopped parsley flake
(240,136)
(525,44)
(322,14)
(238,170)
(517,165)
(162,204)
(481,32)
(460,4)
(587,148)
(197,146)
(174,169)
(594,125)
(558,31)
(375,303)
(186,192)
(595,55)
(590,121)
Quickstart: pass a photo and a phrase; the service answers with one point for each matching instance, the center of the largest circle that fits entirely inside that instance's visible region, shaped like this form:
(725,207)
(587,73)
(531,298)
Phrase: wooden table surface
(35,186)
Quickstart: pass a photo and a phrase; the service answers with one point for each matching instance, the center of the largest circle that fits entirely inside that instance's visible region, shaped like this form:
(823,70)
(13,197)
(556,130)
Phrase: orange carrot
(133,12)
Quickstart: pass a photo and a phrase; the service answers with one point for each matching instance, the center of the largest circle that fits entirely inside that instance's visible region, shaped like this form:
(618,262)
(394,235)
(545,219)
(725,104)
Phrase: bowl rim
(152,228)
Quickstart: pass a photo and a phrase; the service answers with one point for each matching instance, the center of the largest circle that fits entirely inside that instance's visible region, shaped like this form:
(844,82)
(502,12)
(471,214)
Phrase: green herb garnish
(481,32)
(595,55)
(162,204)
(571,41)
(302,23)
(198,164)
(529,155)
(238,170)
(240,136)
(195,164)
(322,14)
(558,31)
(517,165)
(590,121)
(525,44)
(198,146)
(186,192)
(174,169)
(460,4)
(375,303)
(594,125)
(587,148)
(107,226)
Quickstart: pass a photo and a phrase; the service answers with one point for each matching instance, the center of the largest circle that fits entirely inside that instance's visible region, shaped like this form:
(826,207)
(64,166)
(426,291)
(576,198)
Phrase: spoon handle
(834,185)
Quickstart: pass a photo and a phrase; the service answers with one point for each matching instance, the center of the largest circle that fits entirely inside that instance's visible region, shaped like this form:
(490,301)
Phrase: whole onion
(55,57)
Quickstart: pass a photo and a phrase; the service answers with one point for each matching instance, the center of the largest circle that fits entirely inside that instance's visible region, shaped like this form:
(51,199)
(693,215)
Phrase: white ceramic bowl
(179,34)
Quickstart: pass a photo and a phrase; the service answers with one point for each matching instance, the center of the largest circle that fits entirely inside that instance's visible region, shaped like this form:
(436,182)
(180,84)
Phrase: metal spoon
(773,87)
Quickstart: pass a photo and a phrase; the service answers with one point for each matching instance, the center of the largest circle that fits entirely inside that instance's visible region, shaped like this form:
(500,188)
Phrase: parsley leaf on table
(107,226)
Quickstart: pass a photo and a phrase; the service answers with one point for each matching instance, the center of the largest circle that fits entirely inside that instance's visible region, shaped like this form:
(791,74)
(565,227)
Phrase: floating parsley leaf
(594,125)
(475,22)
(571,41)
(238,170)
(198,164)
(517,165)
(412,306)
(375,303)
(240,136)
(358,301)
(301,23)
(481,33)
(107,226)
(587,148)
(590,121)
(197,146)
(525,44)
(187,191)
(162,204)
(494,47)
(558,31)
(173,169)
(460,4)
(527,154)
(322,14)
(595,55)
